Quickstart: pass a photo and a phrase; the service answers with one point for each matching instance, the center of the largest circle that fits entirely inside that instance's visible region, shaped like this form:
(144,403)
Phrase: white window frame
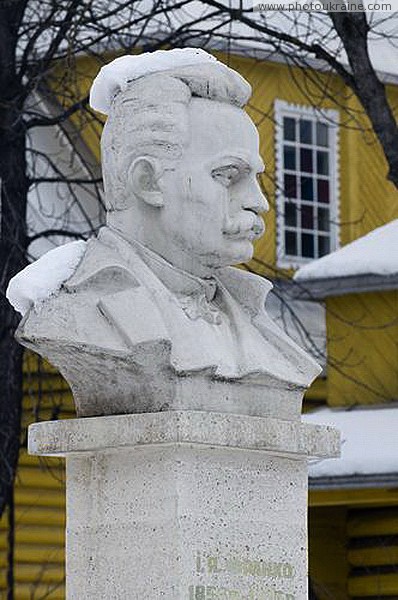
(330,117)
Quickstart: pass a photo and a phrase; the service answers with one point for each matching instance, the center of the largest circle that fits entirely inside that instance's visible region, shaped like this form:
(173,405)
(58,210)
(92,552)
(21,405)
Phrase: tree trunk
(13,239)
(13,242)
(352,29)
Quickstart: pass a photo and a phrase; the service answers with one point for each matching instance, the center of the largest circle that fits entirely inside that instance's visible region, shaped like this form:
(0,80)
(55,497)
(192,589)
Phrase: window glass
(290,186)
(307,188)
(290,214)
(306,163)
(307,216)
(289,156)
(305,131)
(307,245)
(306,184)
(322,134)
(289,129)
(291,243)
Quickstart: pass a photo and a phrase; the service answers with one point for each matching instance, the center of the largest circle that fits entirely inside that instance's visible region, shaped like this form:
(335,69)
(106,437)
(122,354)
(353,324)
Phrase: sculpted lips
(249,225)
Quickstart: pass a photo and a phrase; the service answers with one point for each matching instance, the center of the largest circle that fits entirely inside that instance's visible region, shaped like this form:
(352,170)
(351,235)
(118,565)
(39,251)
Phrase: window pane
(323,245)
(307,188)
(307,217)
(323,219)
(306,160)
(289,129)
(289,157)
(307,245)
(305,132)
(290,214)
(290,186)
(323,163)
(322,134)
(323,191)
(291,243)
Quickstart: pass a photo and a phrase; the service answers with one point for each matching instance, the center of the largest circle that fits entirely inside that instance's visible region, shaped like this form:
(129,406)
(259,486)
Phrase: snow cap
(44,278)
(116,75)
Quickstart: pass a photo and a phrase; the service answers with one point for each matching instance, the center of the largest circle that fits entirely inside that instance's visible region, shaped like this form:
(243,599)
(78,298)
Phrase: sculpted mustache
(244,224)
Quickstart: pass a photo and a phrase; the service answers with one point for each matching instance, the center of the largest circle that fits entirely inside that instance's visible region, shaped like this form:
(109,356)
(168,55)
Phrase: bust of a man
(155,317)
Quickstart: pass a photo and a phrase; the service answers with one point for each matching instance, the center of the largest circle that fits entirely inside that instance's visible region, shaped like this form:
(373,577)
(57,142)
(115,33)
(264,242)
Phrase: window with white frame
(307,182)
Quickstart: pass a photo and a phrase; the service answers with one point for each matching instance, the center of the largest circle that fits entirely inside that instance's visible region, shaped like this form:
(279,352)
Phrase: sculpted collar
(175,279)
(194,294)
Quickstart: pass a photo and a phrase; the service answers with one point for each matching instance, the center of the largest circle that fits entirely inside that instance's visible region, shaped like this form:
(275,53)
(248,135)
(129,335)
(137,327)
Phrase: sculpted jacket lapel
(251,293)
(130,307)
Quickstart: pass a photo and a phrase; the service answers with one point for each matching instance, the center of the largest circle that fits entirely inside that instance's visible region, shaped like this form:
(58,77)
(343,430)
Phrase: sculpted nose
(256,200)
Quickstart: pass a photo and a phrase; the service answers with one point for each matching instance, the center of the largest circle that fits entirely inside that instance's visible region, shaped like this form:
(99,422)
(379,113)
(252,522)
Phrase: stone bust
(154,316)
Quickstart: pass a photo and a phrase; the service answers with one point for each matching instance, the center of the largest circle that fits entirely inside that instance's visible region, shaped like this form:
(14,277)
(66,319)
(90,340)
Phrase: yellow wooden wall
(328,560)
(353,550)
(373,553)
(362,348)
(39,494)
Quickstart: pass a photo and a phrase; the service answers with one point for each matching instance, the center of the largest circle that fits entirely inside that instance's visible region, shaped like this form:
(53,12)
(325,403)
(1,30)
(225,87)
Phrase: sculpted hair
(150,118)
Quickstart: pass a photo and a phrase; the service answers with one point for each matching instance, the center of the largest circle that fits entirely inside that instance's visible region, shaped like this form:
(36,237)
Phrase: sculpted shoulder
(73,314)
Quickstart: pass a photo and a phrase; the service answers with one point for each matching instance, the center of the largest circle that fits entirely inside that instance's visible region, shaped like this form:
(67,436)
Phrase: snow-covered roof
(369,443)
(374,254)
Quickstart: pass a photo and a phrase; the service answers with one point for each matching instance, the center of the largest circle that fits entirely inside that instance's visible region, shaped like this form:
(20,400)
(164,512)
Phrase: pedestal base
(185,506)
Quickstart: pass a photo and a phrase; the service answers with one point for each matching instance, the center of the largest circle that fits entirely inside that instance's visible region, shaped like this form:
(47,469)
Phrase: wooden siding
(353,551)
(373,553)
(328,564)
(362,334)
(39,494)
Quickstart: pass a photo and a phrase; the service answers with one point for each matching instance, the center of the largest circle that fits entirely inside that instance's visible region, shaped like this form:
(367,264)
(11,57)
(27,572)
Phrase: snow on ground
(375,253)
(115,75)
(369,441)
(45,276)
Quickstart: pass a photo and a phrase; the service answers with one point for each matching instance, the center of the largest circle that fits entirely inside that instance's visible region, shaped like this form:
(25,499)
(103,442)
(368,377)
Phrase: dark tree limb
(353,31)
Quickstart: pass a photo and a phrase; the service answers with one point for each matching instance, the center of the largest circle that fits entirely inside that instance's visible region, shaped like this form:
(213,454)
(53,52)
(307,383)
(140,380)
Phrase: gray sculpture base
(185,505)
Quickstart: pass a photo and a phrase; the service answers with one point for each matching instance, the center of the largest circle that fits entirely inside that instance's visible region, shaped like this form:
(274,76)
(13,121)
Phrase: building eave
(319,289)
(355,481)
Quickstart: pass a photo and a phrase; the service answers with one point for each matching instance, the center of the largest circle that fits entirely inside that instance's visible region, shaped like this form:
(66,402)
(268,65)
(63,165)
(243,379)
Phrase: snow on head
(115,76)
(45,276)
(375,253)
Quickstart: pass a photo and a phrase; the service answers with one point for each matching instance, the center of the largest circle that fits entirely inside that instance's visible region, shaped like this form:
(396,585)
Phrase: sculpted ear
(143,176)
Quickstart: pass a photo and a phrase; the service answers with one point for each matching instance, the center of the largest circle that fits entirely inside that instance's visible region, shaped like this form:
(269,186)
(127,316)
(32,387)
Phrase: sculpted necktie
(198,305)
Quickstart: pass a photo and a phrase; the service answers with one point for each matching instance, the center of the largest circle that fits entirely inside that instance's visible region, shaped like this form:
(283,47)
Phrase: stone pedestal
(185,505)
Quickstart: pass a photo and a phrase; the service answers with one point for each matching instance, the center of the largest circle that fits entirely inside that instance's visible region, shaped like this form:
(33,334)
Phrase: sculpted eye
(226,175)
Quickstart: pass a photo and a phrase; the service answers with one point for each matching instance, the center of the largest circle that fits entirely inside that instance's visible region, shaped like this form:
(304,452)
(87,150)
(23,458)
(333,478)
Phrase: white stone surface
(200,494)
(154,317)
(60,438)
(185,506)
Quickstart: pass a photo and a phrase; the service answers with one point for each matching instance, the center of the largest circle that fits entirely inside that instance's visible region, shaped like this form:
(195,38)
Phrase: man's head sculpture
(153,317)
(181,158)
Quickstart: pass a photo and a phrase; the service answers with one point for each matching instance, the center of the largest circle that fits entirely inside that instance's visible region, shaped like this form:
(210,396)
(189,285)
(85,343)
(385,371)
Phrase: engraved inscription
(211,565)
(212,592)
(242,566)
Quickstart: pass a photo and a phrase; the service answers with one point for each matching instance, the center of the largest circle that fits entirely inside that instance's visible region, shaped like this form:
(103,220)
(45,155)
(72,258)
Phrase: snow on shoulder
(115,76)
(375,253)
(45,276)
